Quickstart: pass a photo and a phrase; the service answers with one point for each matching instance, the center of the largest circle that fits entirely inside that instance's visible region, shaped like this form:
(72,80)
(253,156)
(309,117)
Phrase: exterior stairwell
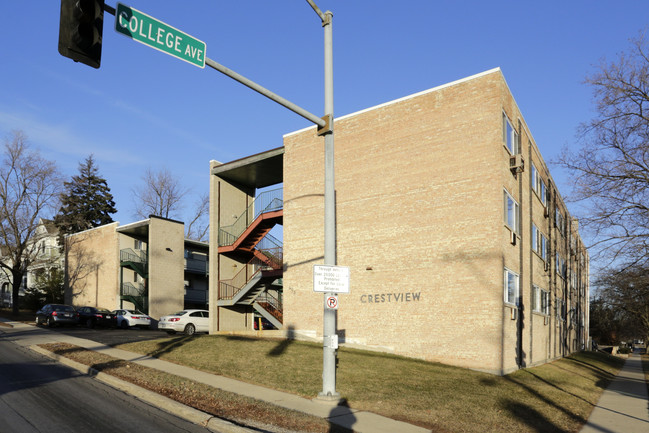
(135,260)
(263,253)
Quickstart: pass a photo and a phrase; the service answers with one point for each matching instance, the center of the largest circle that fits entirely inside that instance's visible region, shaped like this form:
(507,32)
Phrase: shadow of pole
(341,418)
(283,345)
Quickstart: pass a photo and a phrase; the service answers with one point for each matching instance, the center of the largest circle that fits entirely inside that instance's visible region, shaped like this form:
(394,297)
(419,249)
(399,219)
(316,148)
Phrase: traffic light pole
(330,338)
(325,127)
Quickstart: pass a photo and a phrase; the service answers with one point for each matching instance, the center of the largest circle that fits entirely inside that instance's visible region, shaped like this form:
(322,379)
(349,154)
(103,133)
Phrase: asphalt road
(112,336)
(40,395)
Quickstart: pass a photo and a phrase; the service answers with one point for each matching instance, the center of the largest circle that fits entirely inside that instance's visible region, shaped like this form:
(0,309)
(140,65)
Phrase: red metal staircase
(262,272)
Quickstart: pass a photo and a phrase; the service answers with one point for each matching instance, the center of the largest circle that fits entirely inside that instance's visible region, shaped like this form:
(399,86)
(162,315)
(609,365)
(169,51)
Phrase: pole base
(328,397)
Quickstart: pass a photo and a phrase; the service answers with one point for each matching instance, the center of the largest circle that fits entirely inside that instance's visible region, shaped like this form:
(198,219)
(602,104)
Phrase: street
(111,336)
(38,395)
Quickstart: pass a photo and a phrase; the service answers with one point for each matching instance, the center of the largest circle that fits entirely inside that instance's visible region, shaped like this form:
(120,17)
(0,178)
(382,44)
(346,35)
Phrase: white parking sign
(330,279)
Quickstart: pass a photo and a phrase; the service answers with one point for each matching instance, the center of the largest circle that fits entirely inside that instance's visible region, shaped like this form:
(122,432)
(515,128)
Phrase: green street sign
(156,34)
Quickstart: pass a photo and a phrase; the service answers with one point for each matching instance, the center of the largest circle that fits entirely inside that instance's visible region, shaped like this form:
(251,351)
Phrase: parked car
(128,318)
(56,314)
(93,316)
(187,321)
(265,323)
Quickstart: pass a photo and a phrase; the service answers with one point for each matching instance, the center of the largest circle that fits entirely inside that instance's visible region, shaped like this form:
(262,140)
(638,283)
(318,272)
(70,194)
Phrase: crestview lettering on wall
(378,298)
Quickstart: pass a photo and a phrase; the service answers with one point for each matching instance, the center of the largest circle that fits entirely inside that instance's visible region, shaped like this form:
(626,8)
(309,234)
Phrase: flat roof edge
(246,160)
(395,101)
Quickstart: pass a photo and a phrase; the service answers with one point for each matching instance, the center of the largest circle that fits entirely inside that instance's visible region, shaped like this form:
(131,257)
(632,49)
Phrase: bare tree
(163,195)
(611,166)
(29,188)
(626,291)
(160,195)
(198,227)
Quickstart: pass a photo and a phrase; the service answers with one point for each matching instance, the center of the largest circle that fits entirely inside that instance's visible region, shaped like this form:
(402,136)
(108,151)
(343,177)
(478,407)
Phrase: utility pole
(126,22)
(330,338)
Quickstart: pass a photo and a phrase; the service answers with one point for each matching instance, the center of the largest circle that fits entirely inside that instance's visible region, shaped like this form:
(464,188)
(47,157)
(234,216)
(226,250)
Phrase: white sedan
(187,321)
(129,318)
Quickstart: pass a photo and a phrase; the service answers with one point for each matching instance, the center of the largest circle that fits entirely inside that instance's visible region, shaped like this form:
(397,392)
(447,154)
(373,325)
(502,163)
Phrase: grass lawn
(555,397)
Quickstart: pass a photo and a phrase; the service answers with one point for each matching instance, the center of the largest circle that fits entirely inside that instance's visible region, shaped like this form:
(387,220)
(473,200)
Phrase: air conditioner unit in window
(512,238)
(546,212)
(516,163)
(514,313)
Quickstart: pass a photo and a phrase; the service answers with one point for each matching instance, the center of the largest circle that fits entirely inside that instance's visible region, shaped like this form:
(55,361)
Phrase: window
(560,222)
(510,136)
(511,287)
(561,266)
(511,212)
(539,243)
(560,310)
(540,300)
(538,186)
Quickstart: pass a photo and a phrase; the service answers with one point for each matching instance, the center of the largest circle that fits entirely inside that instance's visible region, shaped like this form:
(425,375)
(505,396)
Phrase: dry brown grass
(556,397)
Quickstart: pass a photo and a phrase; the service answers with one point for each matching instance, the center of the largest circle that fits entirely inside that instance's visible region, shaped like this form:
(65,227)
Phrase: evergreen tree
(86,202)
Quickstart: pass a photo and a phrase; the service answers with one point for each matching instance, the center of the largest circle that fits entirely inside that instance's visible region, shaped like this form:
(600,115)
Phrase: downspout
(551,281)
(531,253)
(217,284)
(521,305)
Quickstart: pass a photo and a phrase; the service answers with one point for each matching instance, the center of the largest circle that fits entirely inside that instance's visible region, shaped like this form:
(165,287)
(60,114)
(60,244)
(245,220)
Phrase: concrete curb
(168,405)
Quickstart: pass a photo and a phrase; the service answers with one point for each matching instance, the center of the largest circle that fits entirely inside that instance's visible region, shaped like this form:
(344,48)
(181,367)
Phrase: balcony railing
(131,255)
(195,265)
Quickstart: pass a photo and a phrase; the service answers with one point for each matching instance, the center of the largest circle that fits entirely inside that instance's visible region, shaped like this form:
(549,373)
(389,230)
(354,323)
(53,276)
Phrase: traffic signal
(80,30)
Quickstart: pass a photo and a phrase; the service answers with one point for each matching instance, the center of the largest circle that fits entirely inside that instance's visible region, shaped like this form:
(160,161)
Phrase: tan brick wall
(419,192)
(419,201)
(92,268)
(166,267)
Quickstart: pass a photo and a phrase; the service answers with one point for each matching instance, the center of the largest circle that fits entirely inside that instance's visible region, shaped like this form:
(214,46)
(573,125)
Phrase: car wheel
(124,324)
(89,323)
(190,329)
(50,322)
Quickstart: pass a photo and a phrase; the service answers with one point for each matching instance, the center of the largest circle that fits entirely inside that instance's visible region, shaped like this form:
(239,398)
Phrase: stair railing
(272,305)
(267,201)
(130,289)
(228,289)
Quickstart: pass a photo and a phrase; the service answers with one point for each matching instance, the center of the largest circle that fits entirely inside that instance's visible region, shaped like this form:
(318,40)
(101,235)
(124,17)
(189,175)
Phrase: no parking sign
(332,302)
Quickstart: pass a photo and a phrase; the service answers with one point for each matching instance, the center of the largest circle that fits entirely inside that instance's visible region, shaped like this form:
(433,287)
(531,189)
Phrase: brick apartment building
(147,265)
(460,247)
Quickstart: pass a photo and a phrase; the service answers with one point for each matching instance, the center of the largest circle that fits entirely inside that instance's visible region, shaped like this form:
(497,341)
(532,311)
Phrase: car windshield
(103,310)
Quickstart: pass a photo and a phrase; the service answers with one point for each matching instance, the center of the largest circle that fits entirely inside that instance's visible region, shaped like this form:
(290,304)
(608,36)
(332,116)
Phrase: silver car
(187,321)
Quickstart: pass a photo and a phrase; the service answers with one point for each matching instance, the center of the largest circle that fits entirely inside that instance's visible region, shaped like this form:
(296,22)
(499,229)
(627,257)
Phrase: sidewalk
(30,336)
(624,405)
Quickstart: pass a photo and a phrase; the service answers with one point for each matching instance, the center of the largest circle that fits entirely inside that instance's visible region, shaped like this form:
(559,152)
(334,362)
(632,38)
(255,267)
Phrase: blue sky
(144,109)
